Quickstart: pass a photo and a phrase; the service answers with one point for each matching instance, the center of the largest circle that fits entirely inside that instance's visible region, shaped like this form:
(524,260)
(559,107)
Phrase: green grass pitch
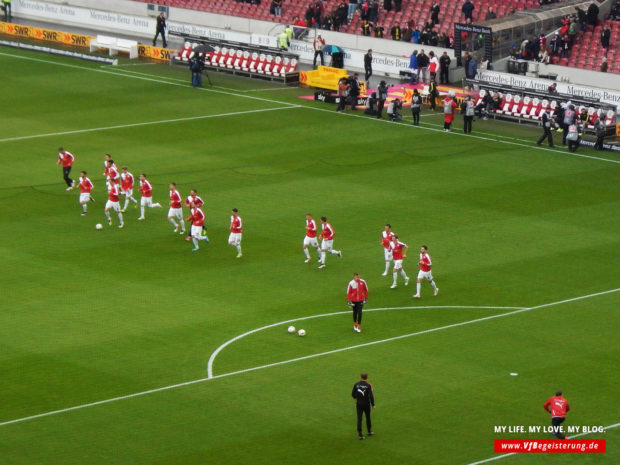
(87,316)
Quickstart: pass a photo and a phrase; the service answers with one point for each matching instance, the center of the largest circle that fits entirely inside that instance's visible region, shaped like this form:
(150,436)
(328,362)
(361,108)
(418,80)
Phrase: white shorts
(234,238)
(84,197)
(311,241)
(387,253)
(175,213)
(146,201)
(398,264)
(425,275)
(327,244)
(196,231)
(127,193)
(109,205)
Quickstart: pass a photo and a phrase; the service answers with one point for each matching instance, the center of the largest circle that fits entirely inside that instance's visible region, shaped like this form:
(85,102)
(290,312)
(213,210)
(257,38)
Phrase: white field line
(241,336)
(128,64)
(503,456)
(247,370)
(240,95)
(145,123)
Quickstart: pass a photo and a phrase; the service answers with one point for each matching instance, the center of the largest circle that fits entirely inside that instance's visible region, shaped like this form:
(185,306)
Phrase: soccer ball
(301,332)
(291,329)
(98,226)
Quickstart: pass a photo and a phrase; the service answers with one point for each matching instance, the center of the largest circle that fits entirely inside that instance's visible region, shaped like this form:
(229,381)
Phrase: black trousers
(467,120)
(318,53)
(342,102)
(361,410)
(598,145)
(555,423)
(546,135)
(7,11)
(564,133)
(65,174)
(574,144)
(367,75)
(416,116)
(357,312)
(432,99)
(380,104)
(443,75)
(163,36)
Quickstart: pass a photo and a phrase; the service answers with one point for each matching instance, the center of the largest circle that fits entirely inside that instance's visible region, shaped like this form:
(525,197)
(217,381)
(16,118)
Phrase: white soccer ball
(291,329)
(301,332)
(98,226)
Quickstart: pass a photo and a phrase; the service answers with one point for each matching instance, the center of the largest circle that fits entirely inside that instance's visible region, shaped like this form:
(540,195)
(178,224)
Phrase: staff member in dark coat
(160,29)
(546,124)
(354,90)
(368,66)
(444,68)
(362,393)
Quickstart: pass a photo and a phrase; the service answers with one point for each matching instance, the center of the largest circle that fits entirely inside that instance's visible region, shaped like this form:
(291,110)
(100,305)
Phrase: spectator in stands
(318,14)
(444,68)
(373,12)
(555,44)
(309,15)
(160,28)
(490,14)
(394,110)
(414,67)
(471,66)
(435,8)
(415,35)
(582,18)
(387,5)
(565,46)
(342,13)
(468,10)
(546,125)
(368,66)
(328,22)
(289,33)
(423,64)
(382,94)
(604,65)
(379,30)
(364,10)
(276,8)
(351,9)
(592,14)
(398,5)
(573,29)
(318,45)
(395,32)
(366,27)
(553,89)
(407,34)
(299,26)
(605,38)
(434,39)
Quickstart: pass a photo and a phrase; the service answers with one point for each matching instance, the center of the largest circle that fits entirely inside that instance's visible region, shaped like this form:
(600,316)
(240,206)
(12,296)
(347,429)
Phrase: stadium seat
(253,62)
(505,107)
(526,107)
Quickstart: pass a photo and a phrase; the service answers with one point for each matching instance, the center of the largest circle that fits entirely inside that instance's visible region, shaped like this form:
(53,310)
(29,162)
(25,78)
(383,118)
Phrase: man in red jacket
(357,295)
(557,406)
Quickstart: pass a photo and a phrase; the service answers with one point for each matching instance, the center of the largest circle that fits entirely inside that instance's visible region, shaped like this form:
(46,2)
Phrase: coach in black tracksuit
(362,393)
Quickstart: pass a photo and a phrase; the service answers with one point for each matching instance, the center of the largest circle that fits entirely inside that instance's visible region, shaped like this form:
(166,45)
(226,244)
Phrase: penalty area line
(503,456)
(248,370)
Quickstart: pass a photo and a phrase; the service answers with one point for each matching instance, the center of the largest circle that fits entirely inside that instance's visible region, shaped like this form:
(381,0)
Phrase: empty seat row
(242,60)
